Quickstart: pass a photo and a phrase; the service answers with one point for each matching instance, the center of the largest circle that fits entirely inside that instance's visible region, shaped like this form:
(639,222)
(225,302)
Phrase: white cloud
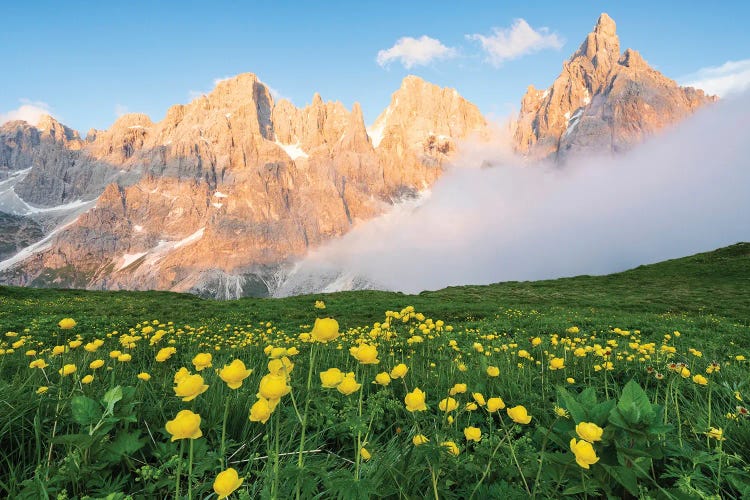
(732,77)
(121,109)
(415,52)
(520,39)
(29,111)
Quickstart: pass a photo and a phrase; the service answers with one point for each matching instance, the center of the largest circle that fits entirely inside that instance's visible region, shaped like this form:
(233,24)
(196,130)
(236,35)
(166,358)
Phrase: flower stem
(513,454)
(190,472)
(224,432)
(179,471)
(301,455)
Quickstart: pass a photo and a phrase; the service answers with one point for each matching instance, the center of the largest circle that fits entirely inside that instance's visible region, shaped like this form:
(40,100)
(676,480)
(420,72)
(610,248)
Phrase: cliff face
(217,196)
(602,101)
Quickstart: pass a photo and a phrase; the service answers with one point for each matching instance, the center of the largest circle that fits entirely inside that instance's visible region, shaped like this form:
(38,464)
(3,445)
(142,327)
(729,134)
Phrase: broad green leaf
(85,410)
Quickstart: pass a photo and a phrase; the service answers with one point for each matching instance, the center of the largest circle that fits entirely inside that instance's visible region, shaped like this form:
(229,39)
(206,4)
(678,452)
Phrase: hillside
(706,287)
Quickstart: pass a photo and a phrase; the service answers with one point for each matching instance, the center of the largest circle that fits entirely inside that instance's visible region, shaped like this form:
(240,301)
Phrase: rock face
(602,101)
(218,196)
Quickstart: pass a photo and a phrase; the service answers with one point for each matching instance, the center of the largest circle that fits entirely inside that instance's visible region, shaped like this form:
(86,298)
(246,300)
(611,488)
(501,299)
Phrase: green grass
(707,289)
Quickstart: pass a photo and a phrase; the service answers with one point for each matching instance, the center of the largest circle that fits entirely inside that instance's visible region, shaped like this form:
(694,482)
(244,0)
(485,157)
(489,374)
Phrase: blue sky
(87,61)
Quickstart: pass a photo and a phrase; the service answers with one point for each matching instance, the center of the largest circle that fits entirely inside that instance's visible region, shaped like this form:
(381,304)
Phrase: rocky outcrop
(222,193)
(602,101)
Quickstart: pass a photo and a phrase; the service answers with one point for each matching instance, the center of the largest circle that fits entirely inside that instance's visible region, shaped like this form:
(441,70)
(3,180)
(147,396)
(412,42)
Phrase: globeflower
(473,434)
(144,376)
(67,370)
(717,434)
(234,373)
(186,425)
(365,353)
(447,404)
(415,400)
(419,440)
(479,398)
(59,349)
(38,363)
(331,378)
(273,387)
(519,415)
(589,431)
(87,379)
(96,364)
(67,323)
(181,374)
(452,447)
(383,378)
(584,452)
(326,329)
(495,404)
(700,379)
(535,341)
(190,387)
(201,361)
(226,483)
(399,371)
(261,411)
(42,389)
(349,385)
(124,358)
(493,371)
(364,454)
(319,304)
(165,353)
(458,389)
(556,364)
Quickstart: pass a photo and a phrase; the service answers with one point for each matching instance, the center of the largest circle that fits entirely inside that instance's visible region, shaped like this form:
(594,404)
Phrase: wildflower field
(634,385)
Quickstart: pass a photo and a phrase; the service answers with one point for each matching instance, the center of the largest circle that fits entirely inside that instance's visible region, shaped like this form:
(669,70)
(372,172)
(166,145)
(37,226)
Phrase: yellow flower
(261,411)
(448,404)
(457,389)
(536,341)
(181,374)
(348,385)
(717,434)
(556,364)
(38,363)
(365,354)
(30,352)
(124,358)
(471,406)
(399,371)
(561,412)
(59,349)
(519,415)
(87,379)
(188,388)
(73,344)
(67,323)
(495,404)
(282,366)
(473,434)
(226,483)
(96,364)
(165,353)
(493,371)
(570,380)
(115,354)
(415,400)
(479,398)
(573,330)
(186,425)
(589,431)
(144,376)
(419,440)
(684,372)
(364,454)
(382,378)
(42,389)
(331,378)
(523,353)
(201,361)
(740,357)
(234,373)
(319,304)
(584,452)
(67,370)
(452,447)
(325,330)
(273,387)
(700,379)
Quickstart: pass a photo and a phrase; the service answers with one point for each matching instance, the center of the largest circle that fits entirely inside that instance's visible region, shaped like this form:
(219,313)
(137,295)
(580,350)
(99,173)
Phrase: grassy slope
(707,290)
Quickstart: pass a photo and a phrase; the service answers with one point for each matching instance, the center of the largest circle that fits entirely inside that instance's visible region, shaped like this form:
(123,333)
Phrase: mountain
(224,192)
(602,101)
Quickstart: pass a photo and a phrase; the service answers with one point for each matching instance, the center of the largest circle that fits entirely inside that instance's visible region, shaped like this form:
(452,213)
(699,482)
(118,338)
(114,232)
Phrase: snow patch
(136,127)
(546,93)
(228,115)
(129,258)
(190,239)
(219,194)
(293,150)
(138,228)
(217,205)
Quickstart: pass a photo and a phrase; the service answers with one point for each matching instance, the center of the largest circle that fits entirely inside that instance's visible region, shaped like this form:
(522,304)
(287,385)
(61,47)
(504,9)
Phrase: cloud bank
(505,44)
(412,52)
(682,192)
(731,78)
(29,111)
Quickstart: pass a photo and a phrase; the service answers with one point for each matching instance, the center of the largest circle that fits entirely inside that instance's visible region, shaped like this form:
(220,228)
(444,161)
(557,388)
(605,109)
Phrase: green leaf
(626,477)
(126,443)
(568,401)
(111,398)
(85,410)
(634,406)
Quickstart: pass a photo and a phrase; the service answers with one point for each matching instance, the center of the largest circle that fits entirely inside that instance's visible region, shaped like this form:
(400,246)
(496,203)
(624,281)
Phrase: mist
(683,191)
